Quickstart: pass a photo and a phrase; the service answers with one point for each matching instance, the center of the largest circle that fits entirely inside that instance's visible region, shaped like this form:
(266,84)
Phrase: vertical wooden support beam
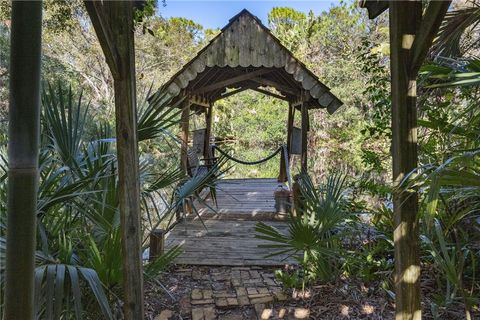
(23,146)
(127,154)
(298,200)
(184,122)
(113,23)
(208,132)
(291,118)
(405,17)
(304,159)
(282,177)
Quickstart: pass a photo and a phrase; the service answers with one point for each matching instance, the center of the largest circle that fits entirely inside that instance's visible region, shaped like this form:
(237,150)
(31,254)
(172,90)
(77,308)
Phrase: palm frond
(161,263)
(458,176)
(452,76)
(59,284)
(64,122)
(157,114)
(451,40)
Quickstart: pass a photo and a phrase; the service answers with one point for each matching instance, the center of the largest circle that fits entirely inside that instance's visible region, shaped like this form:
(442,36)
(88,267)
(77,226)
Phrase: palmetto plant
(451,260)
(449,184)
(455,178)
(451,207)
(313,236)
(79,239)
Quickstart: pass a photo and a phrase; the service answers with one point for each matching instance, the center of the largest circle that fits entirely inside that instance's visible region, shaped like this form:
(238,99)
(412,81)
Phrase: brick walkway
(251,293)
(228,293)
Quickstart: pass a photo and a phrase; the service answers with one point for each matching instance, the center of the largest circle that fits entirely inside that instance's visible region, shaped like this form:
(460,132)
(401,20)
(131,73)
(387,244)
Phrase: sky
(216,13)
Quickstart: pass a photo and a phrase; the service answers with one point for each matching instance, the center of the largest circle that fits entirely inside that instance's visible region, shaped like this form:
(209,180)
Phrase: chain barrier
(249,163)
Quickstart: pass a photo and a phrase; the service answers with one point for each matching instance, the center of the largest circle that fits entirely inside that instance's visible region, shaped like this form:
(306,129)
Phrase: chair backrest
(198,141)
(193,161)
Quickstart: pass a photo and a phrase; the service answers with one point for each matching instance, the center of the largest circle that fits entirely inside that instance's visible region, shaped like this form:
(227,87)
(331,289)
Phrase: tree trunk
(23,146)
(405,17)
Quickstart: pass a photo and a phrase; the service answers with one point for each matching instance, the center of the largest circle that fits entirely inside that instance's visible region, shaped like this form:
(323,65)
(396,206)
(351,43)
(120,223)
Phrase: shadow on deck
(229,236)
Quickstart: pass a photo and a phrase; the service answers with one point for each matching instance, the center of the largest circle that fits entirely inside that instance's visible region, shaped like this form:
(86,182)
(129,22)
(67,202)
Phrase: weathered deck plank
(244,199)
(224,242)
(227,236)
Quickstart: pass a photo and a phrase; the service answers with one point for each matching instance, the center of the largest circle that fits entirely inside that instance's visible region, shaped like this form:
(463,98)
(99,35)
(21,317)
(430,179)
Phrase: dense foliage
(79,239)
(346,226)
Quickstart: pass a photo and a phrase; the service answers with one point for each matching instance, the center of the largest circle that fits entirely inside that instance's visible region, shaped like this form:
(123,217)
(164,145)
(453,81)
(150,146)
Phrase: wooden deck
(229,236)
(243,199)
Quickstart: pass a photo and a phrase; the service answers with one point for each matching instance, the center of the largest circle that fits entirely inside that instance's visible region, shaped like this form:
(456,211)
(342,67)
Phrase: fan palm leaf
(312,236)
(157,114)
(451,40)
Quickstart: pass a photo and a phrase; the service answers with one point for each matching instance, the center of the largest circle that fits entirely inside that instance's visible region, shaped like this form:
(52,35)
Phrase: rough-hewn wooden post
(208,132)
(282,177)
(23,145)
(411,36)
(157,244)
(405,17)
(127,153)
(291,118)
(114,26)
(304,159)
(184,123)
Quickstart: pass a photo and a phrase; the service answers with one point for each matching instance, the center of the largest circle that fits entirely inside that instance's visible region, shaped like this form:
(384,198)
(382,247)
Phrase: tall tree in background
(23,146)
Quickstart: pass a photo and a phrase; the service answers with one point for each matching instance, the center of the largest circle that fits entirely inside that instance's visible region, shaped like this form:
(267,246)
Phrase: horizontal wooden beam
(271,94)
(231,93)
(230,81)
(252,86)
(374,7)
(276,85)
(432,19)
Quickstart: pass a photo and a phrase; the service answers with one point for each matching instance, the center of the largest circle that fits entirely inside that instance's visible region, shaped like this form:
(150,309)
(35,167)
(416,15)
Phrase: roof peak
(244,12)
(232,58)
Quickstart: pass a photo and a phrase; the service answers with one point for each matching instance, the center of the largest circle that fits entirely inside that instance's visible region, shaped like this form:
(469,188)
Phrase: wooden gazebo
(245,55)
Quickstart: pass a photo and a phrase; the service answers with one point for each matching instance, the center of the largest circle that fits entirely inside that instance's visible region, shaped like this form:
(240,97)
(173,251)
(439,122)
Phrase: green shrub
(315,233)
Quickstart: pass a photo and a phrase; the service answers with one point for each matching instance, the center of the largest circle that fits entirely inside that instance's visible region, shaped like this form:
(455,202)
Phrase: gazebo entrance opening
(250,127)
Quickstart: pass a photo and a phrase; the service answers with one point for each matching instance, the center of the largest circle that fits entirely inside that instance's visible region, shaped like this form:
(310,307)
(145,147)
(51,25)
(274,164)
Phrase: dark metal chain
(249,163)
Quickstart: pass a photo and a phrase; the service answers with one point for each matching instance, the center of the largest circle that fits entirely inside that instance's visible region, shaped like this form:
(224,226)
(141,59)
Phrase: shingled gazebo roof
(245,55)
